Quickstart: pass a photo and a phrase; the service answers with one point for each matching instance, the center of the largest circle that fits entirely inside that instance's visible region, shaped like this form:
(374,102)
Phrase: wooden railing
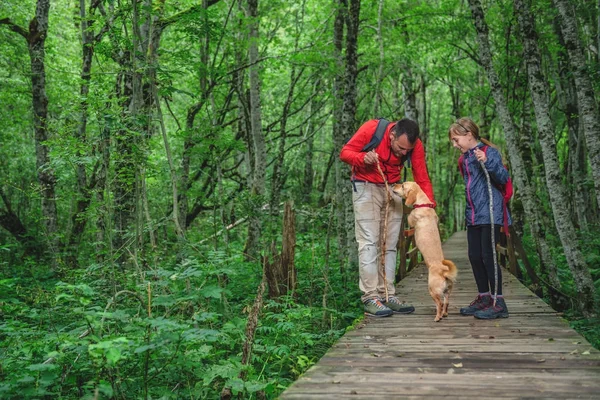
(509,250)
(407,249)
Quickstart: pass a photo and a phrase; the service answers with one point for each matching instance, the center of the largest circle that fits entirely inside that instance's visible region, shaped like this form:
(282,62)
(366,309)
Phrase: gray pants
(369,202)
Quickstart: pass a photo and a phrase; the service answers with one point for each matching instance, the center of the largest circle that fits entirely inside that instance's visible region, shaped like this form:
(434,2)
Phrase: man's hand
(371,157)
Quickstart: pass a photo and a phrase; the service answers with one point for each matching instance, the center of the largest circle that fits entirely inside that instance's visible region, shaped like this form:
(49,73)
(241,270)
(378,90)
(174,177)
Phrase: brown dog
(442,273)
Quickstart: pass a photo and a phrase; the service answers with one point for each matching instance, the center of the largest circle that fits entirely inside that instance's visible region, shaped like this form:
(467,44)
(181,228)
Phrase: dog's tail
(452,270)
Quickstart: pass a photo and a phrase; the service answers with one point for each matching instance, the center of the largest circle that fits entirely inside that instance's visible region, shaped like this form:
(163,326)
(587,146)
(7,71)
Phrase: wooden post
(413,255)
(401,249)
(502,242)
(518,245)
(512,258)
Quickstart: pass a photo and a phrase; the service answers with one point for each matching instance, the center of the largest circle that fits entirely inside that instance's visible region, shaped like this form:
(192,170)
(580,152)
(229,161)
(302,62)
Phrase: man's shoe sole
(377,316)
(404,312)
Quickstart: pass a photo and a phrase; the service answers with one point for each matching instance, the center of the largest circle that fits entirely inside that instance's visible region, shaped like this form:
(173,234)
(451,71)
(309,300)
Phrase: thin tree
(256,135)
(558,194)
(86,186)
(588,108)
(380,70)
(349,116)
(338,133)
(36,35)
(577,165)
(523,184)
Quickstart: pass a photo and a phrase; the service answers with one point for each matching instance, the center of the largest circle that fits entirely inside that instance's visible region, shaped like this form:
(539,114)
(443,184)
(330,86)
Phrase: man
(399,143)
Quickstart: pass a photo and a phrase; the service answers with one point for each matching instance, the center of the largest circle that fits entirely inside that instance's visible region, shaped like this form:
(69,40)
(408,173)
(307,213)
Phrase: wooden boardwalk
(532,354)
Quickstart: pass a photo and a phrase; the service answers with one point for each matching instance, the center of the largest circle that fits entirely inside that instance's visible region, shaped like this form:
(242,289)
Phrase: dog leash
(490,194)
(387,208)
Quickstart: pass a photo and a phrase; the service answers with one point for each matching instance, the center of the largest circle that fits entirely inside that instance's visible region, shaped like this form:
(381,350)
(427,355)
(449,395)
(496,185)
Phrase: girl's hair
(464,125)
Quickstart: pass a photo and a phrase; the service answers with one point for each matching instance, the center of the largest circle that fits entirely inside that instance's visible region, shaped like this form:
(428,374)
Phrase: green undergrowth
(177,328)
(93,335)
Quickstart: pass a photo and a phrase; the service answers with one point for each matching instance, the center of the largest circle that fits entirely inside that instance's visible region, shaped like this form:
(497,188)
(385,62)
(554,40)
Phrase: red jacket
(390,164)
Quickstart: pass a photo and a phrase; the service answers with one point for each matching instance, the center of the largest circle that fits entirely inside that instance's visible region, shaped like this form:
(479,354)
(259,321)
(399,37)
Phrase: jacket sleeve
(419,166)
(494,165)
(351,151)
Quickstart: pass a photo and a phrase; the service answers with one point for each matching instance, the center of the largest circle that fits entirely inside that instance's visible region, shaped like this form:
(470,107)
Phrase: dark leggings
(482,257)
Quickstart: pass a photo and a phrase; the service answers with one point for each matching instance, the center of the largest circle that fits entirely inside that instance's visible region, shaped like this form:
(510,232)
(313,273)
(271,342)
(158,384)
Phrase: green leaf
(212,291)
(236,385)
(255,386)
(105,388)
(42,367)
(113,355)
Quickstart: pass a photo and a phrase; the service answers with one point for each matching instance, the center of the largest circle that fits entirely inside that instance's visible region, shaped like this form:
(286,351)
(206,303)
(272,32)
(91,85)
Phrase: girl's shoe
(497,311)
(480,303)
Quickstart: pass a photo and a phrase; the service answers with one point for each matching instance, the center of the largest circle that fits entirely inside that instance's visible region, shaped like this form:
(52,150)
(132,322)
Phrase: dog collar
(423,205)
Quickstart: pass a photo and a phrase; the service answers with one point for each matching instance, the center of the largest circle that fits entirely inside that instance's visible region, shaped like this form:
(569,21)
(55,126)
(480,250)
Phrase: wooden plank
(532,354)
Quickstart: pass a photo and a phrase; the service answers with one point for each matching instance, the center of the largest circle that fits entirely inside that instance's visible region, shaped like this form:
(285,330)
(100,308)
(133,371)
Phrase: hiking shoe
(374,308)
(497,311)
(397,307)
(480,303)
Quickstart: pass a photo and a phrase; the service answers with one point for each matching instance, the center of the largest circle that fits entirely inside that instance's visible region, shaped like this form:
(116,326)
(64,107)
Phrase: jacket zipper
(466,167)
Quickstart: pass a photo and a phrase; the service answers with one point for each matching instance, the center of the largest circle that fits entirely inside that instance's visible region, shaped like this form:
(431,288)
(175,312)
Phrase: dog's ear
(411,197)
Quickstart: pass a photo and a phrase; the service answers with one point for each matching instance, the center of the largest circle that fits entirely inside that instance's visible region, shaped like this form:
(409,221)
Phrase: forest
(175,221)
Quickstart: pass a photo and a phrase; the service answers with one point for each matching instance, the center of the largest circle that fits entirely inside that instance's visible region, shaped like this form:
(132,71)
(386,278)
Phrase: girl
(464,135)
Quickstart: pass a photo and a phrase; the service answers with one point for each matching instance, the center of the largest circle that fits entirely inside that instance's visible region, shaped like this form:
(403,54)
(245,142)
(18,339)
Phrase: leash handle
(387,208)
(491,196)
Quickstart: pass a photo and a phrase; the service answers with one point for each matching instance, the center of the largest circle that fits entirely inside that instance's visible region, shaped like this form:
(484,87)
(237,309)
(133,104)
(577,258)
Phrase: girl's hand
(480,155)
(371,157)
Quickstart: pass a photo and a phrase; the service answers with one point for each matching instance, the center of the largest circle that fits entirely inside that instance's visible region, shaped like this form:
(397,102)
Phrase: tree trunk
(380,70)
(409,92)
(279,171)
(521,179)
(558,194)
(257,138)
(38,30)
(280,271)
(307,184)
(338,135)
(85,189)
(409,95)
(348,120)
(11,222)
(567,96)
(424,123)
(36,36)
(588,109)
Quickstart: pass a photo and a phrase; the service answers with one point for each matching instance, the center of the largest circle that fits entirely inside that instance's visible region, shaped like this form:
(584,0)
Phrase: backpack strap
(378,135)
(502,189)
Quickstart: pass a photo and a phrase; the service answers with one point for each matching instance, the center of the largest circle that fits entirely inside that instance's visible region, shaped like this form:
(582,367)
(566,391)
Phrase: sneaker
(374,308)
(480,303)
(397,307)
(497,311)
